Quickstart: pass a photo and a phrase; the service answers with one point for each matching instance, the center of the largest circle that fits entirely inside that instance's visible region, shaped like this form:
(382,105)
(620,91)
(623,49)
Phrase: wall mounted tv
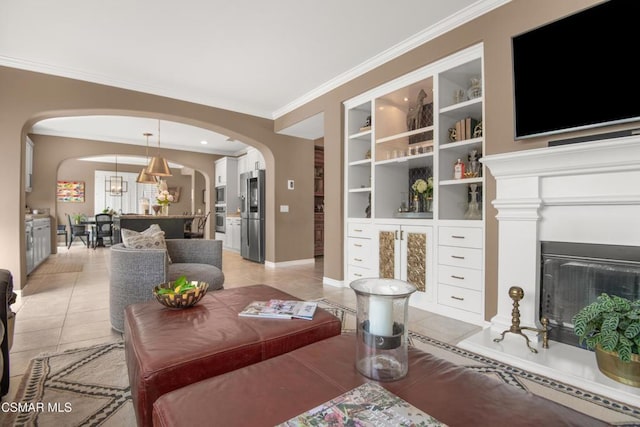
(578,72)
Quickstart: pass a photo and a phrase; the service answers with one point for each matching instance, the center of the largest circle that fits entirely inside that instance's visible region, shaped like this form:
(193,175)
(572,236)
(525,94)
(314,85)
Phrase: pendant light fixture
(116,185)
(159,165)
(143,176)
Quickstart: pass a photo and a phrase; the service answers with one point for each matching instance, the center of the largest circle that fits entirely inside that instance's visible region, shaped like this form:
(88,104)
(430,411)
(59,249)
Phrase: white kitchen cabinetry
(417,127)
(221,172)
(254,160)
(227,176)
(28,166)
(232,231)
(41,240)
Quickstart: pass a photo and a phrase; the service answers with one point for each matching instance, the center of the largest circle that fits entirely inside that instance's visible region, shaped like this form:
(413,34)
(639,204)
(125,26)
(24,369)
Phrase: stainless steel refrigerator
(252,209)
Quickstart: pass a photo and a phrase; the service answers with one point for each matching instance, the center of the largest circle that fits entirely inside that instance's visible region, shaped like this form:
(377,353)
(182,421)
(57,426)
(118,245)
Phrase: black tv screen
(578,72)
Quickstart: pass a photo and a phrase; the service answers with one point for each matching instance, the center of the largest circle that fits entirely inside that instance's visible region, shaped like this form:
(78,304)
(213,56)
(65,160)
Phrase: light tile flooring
(60,311)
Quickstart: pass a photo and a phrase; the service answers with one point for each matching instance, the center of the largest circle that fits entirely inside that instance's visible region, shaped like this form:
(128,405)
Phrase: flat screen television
(578,72)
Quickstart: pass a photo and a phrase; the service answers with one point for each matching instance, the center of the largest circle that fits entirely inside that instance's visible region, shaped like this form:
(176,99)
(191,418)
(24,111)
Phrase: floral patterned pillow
(151,238)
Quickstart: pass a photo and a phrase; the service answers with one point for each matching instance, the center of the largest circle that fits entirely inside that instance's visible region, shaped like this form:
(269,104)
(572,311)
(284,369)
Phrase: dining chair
(199,232)
(103,229)
(62,231)
(79,231)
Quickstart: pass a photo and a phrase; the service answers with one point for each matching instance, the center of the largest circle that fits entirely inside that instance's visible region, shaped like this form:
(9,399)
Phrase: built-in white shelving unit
(417,127)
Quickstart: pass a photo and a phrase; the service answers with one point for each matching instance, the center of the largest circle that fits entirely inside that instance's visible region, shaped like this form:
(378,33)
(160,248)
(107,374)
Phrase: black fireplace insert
(575,274)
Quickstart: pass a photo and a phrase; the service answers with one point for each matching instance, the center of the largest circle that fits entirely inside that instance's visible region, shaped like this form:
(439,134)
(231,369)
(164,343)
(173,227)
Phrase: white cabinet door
(221,172)
(235,225)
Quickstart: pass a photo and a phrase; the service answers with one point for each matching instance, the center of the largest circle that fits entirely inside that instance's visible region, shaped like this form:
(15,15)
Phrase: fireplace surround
(586,193)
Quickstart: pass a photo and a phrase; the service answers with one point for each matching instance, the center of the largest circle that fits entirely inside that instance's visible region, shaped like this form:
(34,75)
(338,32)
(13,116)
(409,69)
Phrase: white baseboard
(270,264)
(333,282)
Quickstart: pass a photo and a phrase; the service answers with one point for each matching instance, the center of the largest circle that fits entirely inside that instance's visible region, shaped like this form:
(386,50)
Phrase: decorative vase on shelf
(428,204)
(473,210)
(165,210)
(156,209)
(475,89)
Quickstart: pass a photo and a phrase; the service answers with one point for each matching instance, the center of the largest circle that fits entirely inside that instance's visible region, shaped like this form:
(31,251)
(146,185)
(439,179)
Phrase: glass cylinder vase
(382,314)
(165,210)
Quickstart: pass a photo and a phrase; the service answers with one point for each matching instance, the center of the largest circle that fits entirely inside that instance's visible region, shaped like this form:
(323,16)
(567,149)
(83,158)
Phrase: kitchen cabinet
(28,166)
(221,172)
(226,172)
(41,240)
(232,233)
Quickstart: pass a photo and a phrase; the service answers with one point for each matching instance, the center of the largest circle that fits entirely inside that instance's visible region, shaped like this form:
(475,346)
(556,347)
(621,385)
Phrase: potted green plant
(77,218)
(611,326)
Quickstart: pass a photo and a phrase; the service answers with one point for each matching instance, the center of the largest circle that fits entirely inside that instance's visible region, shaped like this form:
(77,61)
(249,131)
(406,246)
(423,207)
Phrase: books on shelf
(465,128)
(280,309)
(367,405)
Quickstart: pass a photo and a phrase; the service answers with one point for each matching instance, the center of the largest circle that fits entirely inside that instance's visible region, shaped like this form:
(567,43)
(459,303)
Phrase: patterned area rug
(90,387)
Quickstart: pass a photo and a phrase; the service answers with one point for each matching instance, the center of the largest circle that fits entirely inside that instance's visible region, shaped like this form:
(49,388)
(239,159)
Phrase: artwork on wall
(175,192)
(70,191)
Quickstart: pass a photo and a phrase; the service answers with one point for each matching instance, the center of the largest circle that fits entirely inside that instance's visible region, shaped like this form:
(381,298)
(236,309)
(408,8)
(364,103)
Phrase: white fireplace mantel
(584,193)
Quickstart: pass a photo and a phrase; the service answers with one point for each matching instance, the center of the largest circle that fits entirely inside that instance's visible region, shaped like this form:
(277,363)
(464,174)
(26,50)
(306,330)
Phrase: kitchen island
(174,226)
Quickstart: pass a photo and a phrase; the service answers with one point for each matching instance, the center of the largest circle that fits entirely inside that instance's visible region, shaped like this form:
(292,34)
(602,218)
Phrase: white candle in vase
(380,316)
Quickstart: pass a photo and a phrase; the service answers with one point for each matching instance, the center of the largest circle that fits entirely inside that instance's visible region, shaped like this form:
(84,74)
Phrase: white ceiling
(256,57)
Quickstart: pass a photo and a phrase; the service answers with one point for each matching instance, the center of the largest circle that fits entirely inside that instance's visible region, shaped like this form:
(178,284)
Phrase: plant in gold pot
(611,326)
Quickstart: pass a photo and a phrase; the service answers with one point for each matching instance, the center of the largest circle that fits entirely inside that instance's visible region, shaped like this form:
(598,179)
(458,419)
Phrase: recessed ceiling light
(406,99)
(203,142)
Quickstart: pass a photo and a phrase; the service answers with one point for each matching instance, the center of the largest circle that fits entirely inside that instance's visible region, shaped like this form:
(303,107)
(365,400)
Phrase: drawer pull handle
(457,298)
(357,275)
(457,257)
(357,245)
(357,230)
(357,259)
(457,277)
(457,237)
(396,234)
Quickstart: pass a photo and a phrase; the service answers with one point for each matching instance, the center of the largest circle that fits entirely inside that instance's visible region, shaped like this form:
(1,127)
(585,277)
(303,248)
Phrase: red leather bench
(271,392)
(169,349)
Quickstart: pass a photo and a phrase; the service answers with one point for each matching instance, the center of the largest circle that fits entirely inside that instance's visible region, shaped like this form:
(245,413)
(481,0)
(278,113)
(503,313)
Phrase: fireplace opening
(575,274)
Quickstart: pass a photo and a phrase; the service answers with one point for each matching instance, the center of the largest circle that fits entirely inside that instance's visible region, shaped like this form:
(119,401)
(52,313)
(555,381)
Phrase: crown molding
(463,16)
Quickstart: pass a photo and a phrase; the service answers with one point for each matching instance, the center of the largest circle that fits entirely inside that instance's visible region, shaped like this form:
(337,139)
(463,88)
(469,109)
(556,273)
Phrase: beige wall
(28,97)
(495,31)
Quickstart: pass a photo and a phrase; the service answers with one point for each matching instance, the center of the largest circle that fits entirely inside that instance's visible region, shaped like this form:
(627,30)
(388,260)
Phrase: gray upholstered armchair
(134,272)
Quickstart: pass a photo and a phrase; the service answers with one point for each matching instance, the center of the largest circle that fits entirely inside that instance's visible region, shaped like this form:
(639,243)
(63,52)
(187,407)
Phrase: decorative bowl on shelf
(180,294)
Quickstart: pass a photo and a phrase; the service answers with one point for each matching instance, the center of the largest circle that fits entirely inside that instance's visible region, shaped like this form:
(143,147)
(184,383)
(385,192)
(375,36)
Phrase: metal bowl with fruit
(180,293)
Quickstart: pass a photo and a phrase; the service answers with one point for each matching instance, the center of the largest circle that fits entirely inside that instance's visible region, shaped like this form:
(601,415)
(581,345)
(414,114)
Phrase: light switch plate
(284,208)
(290,184)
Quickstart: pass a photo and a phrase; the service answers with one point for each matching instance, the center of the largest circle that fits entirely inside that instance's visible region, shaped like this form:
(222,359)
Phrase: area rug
(90,387)
(54,268)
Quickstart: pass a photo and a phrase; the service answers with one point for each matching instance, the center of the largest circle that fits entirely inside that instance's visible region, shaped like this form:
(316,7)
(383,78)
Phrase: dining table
(90,223)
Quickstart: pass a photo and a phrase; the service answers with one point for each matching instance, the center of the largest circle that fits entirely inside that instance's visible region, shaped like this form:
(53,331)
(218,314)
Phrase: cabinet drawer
(459,276)
(460,257)
(355,273)
(460,236)
(360,230)
(463,299)
(358,250)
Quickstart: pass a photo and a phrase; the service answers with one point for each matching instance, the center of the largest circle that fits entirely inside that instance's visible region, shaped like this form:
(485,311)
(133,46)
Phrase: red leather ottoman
(168,349)
(271,392)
